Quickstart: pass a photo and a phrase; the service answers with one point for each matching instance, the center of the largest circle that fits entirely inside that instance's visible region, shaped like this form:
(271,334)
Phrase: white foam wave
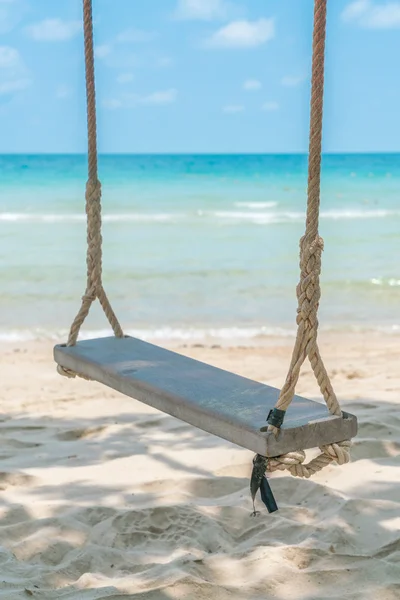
(228,216)
(180,334)
(360,214)
(256,205)
(229,335)
(250,217)
(263,218)
(233,335)
(392,282)
(75,217)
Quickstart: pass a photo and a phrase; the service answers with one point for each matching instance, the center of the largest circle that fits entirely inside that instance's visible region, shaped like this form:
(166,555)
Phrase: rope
(94,285)
(308,290)
(294,461)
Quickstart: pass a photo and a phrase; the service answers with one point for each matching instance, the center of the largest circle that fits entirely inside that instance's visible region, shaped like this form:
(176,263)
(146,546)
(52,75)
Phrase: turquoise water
(198,245)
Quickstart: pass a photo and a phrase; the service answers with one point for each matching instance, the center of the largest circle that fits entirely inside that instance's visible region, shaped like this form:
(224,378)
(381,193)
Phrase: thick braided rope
(308,289)
(94,285)
(294,461)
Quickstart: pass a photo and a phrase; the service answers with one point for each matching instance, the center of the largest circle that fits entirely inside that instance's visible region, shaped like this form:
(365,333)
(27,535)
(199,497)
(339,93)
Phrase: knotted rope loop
(70,374)
(294,461)
(94,285)
(308,289)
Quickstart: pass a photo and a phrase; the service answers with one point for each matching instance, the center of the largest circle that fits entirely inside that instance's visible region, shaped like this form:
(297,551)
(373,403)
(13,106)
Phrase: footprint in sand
(22,427)
(358,406)
(375,430)
(14,479)
(150,423)
(168,527)
(200,488)
(372,449)
(77,434)
(216,487)
(303,558)
(18,444)
(354,375)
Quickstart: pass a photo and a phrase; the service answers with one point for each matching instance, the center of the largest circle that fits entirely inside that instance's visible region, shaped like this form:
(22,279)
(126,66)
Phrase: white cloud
(370,15)
(11,13)
(14,76)
(102,51)
(252,85)
(112,104)
(164,97)
(233,108)
(135,36)
(16,85)
(270,106)
(54,30)
(159,98)
(9,58)
(243,34)
(6,17)
(201,10)
(118,58)
(125,78)
(63,91)
(164,61)
(355,9)
(290,81)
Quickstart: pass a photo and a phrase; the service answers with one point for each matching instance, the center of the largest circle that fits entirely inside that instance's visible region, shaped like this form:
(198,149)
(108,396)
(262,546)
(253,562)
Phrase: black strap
(259,481)
(267,496)
(276,416)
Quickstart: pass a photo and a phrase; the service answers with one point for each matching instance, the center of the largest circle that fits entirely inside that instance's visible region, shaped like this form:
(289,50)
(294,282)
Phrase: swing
(277,425)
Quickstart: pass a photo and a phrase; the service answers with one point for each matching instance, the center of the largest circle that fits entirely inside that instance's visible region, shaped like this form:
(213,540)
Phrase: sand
(103,497)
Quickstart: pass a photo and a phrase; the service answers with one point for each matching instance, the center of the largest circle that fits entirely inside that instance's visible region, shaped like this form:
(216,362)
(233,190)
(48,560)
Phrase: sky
(206,76)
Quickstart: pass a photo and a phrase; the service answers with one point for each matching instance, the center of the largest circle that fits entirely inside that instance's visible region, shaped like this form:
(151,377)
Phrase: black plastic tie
(276,416)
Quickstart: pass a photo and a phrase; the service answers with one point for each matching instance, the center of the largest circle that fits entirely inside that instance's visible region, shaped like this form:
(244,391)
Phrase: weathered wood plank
(222,403)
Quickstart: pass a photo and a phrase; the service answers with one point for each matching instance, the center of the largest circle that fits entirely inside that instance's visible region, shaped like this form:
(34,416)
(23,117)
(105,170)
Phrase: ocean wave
(179,334)
(256,205)
(233,335)
(360,214)
(391,282)
(77,217)
(226,216)
(295,216)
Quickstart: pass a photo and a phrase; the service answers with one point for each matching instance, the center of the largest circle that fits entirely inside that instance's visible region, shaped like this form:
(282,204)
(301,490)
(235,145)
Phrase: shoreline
(231,336)
(352,360)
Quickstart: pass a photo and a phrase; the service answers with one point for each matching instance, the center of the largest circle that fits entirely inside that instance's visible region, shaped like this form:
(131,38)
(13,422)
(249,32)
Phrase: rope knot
(93,190)
(65,372)
(90,296)
(286,461)
(310,254)
(339,452)
(308,289)
(294,461)
(71,374)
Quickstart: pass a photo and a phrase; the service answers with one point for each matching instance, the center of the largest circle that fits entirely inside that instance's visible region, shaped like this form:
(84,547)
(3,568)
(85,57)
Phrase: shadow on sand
(190,536)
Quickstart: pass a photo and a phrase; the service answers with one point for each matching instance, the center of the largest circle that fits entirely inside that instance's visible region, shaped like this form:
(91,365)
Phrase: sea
(198,247)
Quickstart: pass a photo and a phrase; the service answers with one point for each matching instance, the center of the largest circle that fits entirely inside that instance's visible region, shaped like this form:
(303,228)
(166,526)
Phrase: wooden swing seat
(227,405)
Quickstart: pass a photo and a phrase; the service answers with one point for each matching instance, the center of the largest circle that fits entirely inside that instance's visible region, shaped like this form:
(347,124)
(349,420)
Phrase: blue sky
(198,75)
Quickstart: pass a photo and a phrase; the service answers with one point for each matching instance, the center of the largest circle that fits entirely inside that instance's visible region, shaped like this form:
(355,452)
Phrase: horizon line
(216,153)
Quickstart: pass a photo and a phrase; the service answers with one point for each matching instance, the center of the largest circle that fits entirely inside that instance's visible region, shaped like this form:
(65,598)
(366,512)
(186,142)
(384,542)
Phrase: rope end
(71,374)
(65,372)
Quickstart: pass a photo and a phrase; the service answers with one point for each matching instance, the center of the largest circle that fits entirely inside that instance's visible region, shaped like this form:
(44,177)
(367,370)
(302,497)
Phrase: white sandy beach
(103,497)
